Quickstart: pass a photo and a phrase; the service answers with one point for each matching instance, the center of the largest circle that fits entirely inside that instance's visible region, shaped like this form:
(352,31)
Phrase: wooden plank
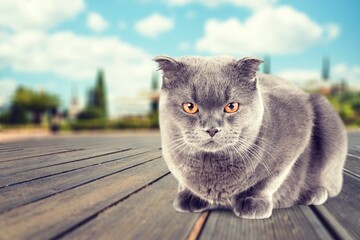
(60,143)
(39,173)
(52,216)
(28,192)
(11,167)
(345,208)
(354,138)
(352,164)
(39,147)
(33,153)
(148,214)
(355,151)
(293,223)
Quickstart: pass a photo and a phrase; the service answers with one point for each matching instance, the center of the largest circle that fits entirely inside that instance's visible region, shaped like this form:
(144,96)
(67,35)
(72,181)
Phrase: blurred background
(75,65)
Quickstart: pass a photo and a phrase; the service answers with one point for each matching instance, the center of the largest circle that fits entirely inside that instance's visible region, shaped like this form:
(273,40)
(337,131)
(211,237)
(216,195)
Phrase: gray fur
(282,147)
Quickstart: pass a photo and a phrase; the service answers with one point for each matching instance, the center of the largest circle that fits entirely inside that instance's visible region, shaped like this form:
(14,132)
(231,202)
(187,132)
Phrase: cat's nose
(212,131)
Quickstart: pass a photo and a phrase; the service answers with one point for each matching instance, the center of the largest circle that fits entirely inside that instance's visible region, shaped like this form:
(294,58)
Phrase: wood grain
(49,217)
(147,214)
(68,165)
(21,194)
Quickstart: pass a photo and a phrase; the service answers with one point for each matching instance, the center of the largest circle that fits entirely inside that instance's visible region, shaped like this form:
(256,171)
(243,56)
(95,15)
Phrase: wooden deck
(111,187)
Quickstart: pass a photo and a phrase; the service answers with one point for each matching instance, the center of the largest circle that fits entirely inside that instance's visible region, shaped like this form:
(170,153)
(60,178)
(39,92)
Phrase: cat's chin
(211,146)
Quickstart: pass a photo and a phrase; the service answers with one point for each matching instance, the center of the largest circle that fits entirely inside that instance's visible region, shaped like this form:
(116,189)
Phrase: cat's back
(280,95)
(287,109)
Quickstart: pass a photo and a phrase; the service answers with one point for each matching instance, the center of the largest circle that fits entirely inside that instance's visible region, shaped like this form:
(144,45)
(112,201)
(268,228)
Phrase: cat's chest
(216,177)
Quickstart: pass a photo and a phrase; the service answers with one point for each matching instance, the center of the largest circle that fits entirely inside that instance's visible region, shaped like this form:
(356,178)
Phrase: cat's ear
(172,70)
(248,66)
(168,63)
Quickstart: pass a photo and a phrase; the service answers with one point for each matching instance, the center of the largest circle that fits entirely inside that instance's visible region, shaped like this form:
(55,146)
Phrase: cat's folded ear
(168,63)
(172,69)
(248,66)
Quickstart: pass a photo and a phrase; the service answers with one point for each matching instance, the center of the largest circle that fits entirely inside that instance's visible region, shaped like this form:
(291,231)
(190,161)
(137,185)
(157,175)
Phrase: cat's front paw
(185,201)
(253,208)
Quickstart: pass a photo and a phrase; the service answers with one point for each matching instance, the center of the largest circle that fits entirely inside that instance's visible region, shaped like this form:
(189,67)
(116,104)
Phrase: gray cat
(245,141)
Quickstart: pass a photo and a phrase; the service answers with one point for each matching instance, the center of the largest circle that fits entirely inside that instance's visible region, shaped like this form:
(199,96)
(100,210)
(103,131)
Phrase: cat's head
(210,103)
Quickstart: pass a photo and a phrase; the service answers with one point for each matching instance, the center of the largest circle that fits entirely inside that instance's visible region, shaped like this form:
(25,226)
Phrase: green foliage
(267,65)
(92,124)
(347,105)
(325,71)
(154,120)
(99,93)
(17,114)
(26,101)
(155,81)
(91,113)
(35,101)
(131,122)
(96,108)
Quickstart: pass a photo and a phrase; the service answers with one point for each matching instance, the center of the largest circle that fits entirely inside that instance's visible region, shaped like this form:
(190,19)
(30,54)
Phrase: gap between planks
(45,154)
(330,223)
(84,183)
(91,217)
(74,169)
(78,160)
(198,226)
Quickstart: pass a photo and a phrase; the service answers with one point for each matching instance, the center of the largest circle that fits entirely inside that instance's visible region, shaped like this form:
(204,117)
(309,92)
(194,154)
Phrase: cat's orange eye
(190,107)
(231,107)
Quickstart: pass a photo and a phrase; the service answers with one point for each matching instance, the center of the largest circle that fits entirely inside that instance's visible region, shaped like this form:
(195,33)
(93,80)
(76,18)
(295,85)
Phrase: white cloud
(269,30)
(351,74)
(37,14)
(127,68)
(252,4)
(154,25)
(96,22)
(7,88)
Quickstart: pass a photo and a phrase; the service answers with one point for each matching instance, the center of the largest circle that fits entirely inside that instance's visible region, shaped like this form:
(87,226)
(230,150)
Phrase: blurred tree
(154,101)
(96,107)
(99,93)
(26,100)
(90,113)
(267,64)
(325,71)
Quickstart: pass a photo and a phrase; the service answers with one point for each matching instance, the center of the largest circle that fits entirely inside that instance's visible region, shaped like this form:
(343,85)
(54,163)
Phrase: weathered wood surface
(118,187)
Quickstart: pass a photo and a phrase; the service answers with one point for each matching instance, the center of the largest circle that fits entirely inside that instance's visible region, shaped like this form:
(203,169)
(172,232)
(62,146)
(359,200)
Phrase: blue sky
(59,45)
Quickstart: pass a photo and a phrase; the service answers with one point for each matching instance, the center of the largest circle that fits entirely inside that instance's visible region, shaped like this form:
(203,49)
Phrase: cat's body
(281,147)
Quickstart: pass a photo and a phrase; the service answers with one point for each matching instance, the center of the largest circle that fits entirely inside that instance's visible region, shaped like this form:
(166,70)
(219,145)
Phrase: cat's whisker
(255,153)
(259,147)
(268,143)
(241,148)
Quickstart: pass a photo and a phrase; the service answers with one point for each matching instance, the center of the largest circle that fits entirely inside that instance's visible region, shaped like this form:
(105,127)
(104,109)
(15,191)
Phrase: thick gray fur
(282,147)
